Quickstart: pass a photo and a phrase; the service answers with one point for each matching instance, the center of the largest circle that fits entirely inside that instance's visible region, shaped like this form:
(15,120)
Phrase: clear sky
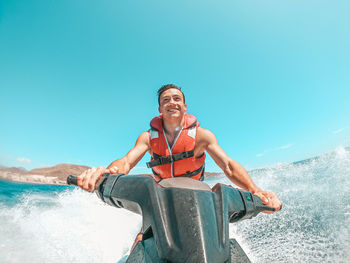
(78,78)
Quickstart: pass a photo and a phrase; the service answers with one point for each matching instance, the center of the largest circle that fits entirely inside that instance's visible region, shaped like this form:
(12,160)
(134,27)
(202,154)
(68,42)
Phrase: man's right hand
(89,179)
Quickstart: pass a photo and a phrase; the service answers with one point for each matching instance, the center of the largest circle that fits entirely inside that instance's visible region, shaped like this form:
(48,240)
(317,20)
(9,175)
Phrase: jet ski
(183,220)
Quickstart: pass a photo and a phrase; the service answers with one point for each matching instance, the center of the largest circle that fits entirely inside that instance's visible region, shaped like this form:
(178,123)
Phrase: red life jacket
(178,160)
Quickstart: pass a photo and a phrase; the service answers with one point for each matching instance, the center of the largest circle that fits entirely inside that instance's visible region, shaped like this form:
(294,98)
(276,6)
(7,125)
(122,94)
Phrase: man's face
(172,103)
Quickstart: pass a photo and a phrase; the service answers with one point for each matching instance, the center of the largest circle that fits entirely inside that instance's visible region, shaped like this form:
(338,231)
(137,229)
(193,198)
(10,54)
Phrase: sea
(52,223)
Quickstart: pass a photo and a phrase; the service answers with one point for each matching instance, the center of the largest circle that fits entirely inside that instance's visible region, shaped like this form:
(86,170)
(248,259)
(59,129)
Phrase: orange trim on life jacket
(185,142)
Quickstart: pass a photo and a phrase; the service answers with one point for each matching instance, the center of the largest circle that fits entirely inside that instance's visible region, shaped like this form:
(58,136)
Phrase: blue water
(41,223)
(12,193)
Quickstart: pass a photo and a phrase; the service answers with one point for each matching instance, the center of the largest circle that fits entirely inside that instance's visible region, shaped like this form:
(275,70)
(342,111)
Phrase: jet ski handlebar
(129,192)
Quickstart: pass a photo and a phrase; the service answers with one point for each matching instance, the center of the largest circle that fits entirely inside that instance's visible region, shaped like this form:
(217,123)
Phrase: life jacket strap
(159,160)
(194,173)
(188,174)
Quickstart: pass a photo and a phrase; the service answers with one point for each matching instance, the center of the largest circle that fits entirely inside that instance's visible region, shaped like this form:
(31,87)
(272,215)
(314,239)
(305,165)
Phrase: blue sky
(78,79)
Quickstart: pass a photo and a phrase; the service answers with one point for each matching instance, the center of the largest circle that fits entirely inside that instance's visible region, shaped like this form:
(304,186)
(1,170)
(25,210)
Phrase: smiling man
(177,145)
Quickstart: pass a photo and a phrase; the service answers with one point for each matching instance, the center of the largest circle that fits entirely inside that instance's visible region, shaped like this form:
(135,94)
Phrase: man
(177,145)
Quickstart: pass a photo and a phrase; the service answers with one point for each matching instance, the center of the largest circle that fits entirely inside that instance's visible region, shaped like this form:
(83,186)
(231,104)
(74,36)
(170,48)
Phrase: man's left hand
(269,199)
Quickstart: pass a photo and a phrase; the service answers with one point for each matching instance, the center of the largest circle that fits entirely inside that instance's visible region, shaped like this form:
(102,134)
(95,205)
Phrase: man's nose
(172,101)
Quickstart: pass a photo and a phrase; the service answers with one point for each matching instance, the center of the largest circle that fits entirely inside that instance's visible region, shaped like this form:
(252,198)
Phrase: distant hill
(50,175)
(61,171)
(19,170)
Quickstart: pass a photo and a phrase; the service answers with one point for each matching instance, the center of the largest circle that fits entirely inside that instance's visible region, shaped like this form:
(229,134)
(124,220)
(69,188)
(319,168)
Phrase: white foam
(75,227)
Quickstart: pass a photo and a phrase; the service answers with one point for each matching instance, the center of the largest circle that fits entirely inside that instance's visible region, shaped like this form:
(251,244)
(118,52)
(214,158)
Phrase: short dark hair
(166,87)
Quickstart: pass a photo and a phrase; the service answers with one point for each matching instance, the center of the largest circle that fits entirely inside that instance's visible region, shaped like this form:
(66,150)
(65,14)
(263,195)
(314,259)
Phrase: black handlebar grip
(72,180)
(269,208)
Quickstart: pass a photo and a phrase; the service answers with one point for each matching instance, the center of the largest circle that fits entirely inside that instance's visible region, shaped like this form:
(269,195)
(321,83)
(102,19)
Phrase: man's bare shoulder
(144,138)
(205,136)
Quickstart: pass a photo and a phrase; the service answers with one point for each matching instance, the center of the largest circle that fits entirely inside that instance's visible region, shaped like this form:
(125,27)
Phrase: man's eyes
(168,99)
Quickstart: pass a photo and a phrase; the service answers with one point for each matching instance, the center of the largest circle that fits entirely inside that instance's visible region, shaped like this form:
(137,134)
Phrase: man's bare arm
(89,178)
(125,164)
(233,170)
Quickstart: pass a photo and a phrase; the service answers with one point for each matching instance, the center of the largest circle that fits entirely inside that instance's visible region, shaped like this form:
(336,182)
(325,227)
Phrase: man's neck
(173,126)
